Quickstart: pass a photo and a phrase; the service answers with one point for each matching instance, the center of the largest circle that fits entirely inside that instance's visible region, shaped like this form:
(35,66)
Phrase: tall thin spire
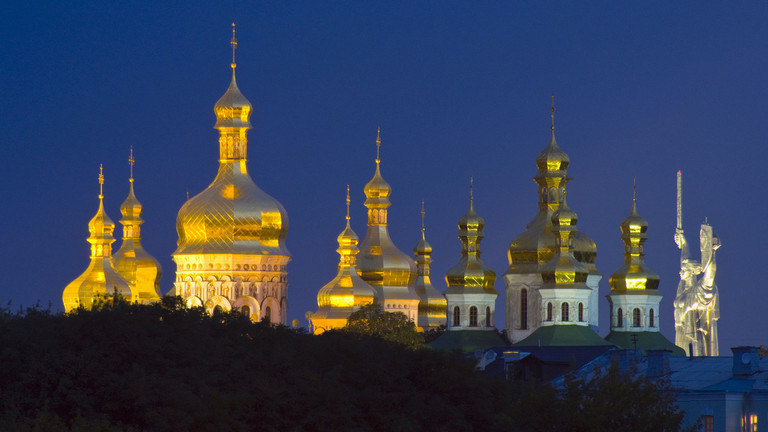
(233,42)
(101,182)
(378,145)
(553,112)
(347,203)
(471,191)
(131,162)
(423,213)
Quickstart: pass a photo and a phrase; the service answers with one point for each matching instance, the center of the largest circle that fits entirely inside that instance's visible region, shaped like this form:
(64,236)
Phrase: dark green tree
(395,327)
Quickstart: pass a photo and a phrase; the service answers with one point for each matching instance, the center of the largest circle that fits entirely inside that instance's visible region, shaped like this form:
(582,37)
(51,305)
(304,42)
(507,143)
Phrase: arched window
(651,320)
(549,311)
(636,317)
(246,311)
(581,312)
(620,318)
(488,317)
(564,312)
(456,316)
(268,314)
(523,308)
(473,316)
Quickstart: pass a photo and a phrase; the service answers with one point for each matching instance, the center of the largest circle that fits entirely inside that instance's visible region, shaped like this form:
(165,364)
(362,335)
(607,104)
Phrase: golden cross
(553,111)
(131,162)
(101,181)
(422,217)
(378,144)
(234,45)
(347,202)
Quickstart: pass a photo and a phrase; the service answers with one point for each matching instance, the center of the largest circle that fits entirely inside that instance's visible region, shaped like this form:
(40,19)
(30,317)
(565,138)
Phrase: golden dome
(634,274)
(432,304)
(470,275)
(137,266)
(381,263)
(100,279)
(529,251)
(232,215)
(347,291)
(564,270)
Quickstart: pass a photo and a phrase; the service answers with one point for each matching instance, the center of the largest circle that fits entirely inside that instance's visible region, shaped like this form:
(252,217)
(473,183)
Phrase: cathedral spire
(100,280)
(137,266)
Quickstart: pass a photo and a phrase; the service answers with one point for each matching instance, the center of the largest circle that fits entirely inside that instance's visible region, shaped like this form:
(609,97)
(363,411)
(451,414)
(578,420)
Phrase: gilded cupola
(432,304)
(470,275)
(231,251)
(564,270)
(137,266)
(529,251)
(100,280)
(347,291)
(232,215)
(634,274)
(390,271)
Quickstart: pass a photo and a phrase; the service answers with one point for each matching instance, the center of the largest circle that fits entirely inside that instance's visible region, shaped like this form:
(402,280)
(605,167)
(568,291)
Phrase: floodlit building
(100,281)
(385,267)
(532,256)
(432,304)
(132,261)
(231,251)
(347,292)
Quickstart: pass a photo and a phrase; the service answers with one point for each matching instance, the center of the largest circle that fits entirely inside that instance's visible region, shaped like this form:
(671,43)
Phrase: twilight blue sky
(459,88)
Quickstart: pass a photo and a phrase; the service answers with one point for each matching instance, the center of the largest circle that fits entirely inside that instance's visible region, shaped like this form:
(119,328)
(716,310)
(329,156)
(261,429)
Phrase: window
(246,311)
(564,312)
(473,316)
(620,318)
(549,311)
(752,423)
(636,317)
(523,308)
(456,316)
(268,314)
(488,317)
(651,321)
(709,423)
(581,312)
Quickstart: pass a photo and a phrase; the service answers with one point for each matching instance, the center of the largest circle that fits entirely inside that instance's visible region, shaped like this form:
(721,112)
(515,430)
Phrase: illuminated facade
(470,293)
(100,280)
(432,304)
(137,266)
(387,269)
(231,251)
(347,292)
(531,253)
(634,298)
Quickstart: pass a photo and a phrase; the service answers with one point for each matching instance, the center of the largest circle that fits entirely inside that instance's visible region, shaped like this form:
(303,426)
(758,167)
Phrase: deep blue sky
(642,88)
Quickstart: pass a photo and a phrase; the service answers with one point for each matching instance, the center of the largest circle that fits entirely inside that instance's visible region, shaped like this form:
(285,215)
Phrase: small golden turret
(137,266)
(387,269)
(100,280)
(432,305)
(564,270)
(535,247)
(347,292)
(471,275)
(634,274)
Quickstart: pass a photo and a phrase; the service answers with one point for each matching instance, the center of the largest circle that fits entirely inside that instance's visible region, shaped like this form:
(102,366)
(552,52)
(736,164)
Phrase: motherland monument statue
(697,306)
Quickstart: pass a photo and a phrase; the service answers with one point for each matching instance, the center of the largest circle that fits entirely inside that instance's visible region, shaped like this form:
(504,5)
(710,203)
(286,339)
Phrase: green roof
(645,341)
(563,335)
(468,340)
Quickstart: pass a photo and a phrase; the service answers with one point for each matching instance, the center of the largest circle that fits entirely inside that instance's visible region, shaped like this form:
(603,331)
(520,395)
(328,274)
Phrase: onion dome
(232,215)
(535,247)
(390,271)
(470,275)
(564,270)
(634,274)
(432,304)
(100,280)
(347,292)
(137,266)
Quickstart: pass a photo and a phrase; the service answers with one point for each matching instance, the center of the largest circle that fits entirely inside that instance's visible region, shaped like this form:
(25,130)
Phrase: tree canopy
(395,327)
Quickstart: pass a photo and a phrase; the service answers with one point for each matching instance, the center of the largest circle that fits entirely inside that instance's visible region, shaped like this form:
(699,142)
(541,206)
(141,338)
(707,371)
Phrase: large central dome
(232,215)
